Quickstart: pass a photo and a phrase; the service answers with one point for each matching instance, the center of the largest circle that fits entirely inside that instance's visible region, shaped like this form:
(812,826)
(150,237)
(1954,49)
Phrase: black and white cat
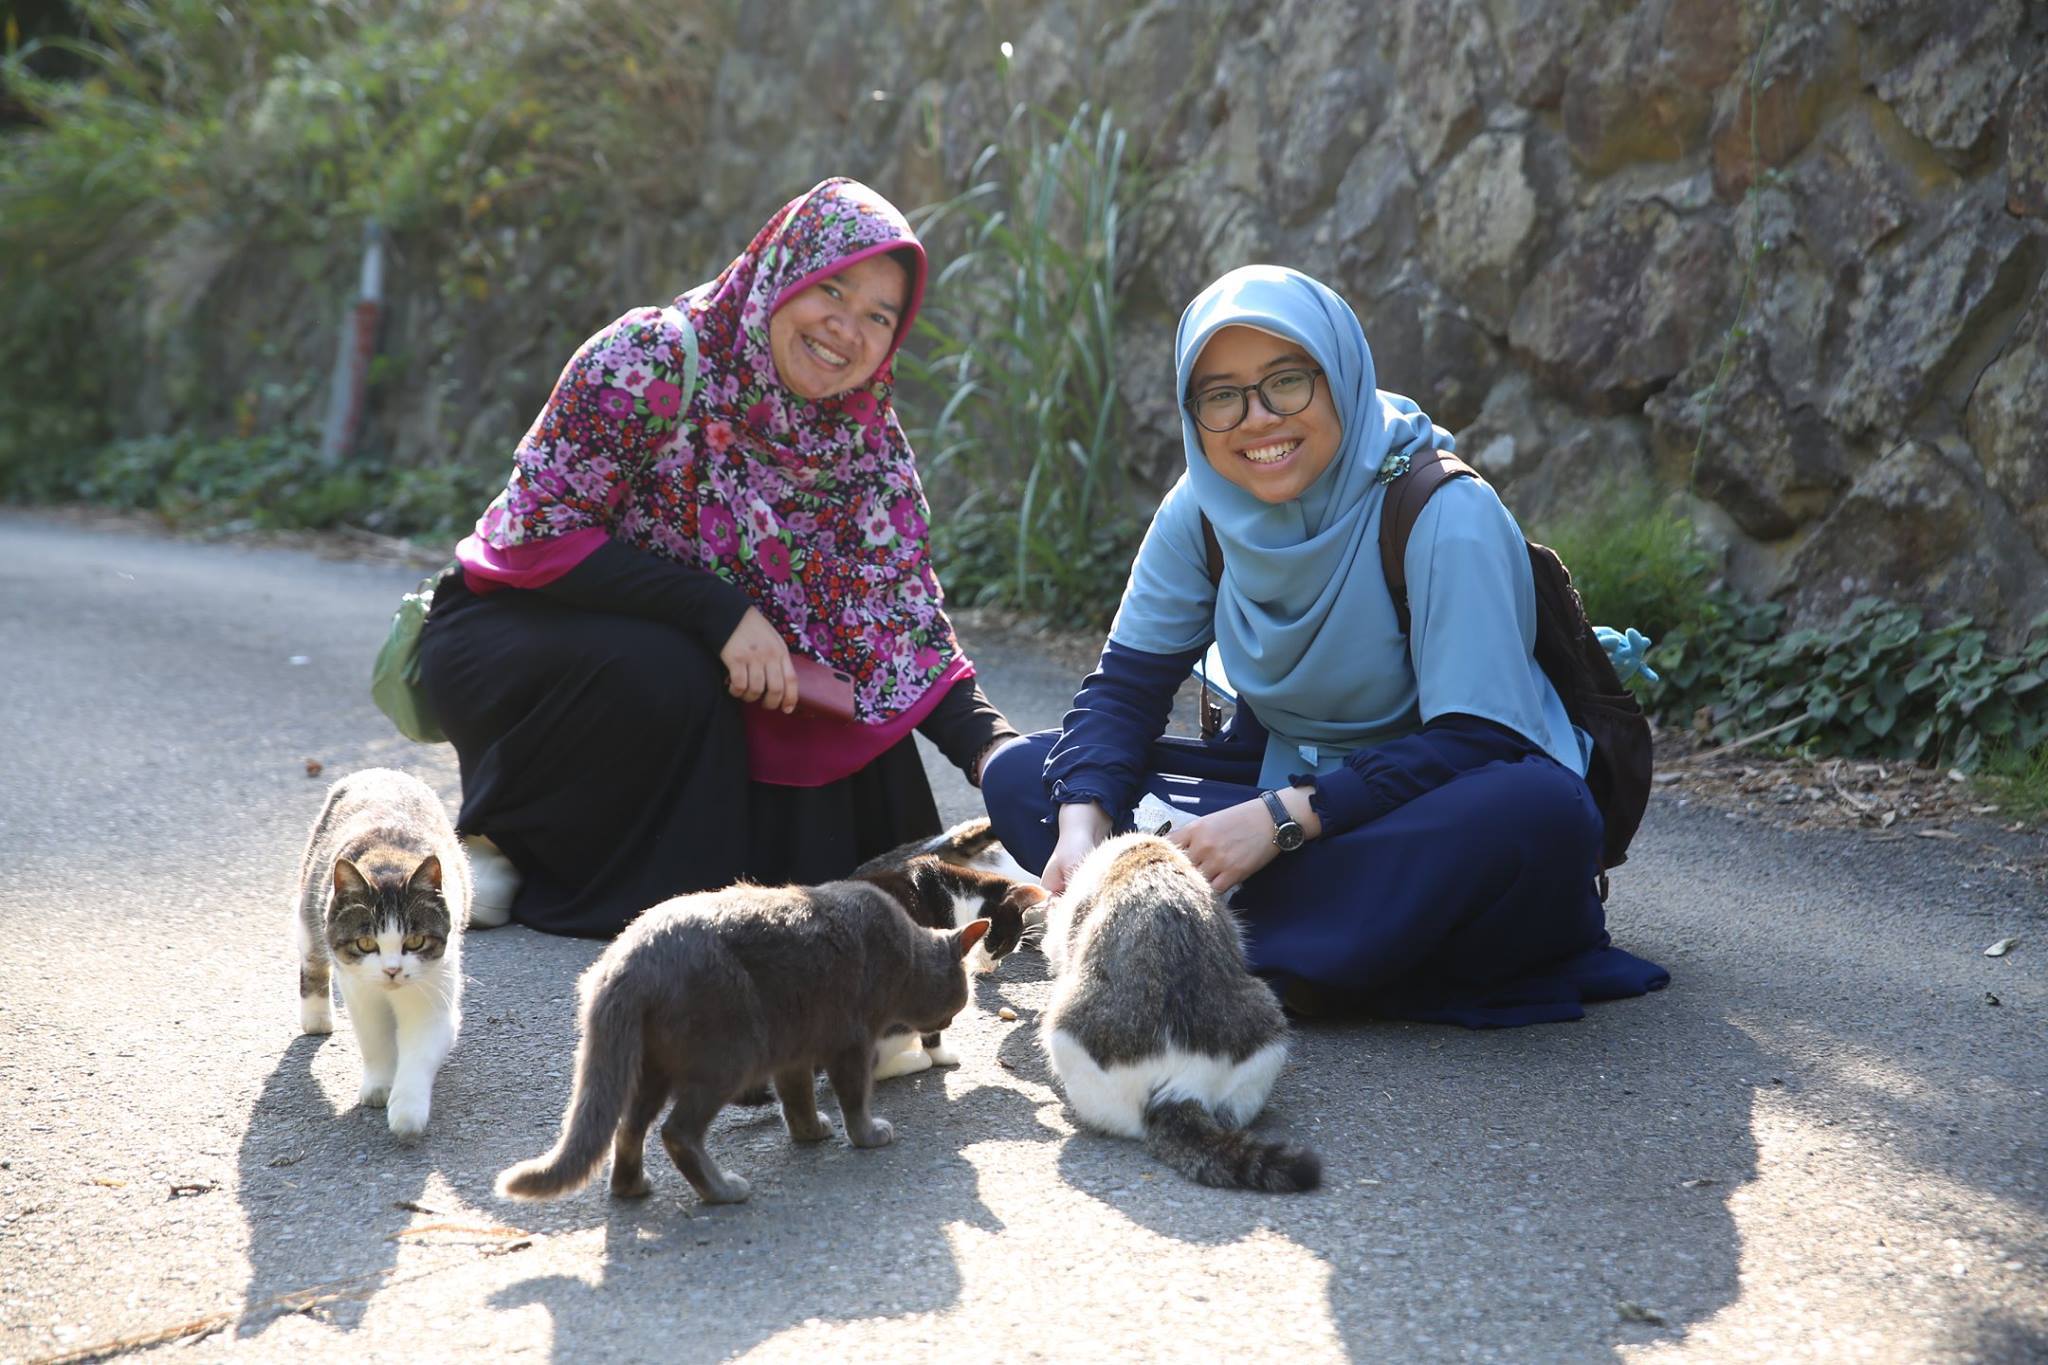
(1156,1029)
(946,881)
(383,895)
(705,997)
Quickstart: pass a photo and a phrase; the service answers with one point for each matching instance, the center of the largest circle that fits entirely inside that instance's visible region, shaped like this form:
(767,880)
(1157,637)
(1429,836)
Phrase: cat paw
(639,1187)
(942,1055)
(729,1190)
(407,1116)
(373,1093)
(903,1064)
(817,1130)
(316,1015)
(880,1133)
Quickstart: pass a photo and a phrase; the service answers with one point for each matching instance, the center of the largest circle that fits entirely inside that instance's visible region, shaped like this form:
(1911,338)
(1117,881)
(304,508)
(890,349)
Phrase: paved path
(1823,1142)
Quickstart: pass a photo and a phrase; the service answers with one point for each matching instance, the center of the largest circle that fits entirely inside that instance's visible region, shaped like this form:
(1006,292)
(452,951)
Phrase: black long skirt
(604,755)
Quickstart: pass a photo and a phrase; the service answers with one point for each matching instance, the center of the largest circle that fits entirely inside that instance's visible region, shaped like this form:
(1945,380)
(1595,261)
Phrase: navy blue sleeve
(1121,708)
(1375,781)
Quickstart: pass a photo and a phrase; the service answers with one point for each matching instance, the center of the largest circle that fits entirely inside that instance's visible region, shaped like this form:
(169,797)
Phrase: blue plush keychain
(1626,650)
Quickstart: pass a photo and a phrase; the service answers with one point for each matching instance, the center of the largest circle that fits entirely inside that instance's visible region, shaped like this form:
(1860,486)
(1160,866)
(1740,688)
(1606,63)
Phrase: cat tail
(607,1065)
(1186,1136)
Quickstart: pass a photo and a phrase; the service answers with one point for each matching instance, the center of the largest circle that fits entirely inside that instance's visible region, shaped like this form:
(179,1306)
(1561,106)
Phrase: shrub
(1017,355)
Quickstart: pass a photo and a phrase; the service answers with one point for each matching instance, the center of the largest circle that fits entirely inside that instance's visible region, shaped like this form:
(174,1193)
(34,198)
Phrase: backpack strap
(1406,497)
(1207,709)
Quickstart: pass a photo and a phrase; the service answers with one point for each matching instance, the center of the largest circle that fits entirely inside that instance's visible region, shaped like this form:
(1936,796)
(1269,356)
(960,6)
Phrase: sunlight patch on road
(1849,1249)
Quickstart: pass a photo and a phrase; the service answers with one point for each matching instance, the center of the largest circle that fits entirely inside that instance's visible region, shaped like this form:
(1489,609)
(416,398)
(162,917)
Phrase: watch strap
(1282,821)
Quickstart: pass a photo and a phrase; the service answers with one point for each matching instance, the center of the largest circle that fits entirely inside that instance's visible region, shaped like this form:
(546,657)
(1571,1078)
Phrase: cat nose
(393,972)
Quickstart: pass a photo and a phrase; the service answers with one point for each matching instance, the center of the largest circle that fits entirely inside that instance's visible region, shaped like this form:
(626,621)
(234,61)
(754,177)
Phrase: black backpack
(1566,649)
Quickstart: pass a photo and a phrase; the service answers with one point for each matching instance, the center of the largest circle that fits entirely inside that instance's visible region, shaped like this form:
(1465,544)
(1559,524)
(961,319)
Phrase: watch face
(1288,837)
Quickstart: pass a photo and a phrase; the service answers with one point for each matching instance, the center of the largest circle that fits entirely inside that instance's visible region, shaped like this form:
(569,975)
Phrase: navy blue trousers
(1472,904)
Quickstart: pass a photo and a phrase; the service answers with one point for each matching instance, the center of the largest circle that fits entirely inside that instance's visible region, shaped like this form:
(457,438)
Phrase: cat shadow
(324,1189)
(830,1235)
(1476,1183)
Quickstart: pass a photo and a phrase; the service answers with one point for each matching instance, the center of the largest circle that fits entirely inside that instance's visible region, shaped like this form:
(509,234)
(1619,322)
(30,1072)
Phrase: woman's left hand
(1229,845)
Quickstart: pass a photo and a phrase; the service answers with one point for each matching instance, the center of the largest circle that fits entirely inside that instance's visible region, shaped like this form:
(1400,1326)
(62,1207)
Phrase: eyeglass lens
(1282,394)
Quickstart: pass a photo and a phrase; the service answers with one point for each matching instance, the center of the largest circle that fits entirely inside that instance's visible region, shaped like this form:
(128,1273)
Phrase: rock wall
(1550,214)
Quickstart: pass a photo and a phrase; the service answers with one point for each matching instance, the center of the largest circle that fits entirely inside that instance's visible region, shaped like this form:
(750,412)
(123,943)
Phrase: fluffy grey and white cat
(708,996)
(980,881)
(383,895)
(1156,1029)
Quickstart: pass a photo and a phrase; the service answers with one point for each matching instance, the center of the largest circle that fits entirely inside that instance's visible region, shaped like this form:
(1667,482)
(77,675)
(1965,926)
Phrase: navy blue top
(1123,706)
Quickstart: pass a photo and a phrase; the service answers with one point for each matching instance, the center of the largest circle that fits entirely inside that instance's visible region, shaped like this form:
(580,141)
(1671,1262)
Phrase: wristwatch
(1287,832)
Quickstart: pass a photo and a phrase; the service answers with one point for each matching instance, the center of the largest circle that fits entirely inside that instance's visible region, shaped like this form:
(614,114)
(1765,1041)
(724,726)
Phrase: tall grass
(1016,353)
(2016,778)
(1636,562)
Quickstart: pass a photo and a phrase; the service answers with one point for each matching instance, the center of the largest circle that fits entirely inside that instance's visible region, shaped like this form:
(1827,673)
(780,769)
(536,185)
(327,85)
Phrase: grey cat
(1156,1029)
(706,996)
(383,895)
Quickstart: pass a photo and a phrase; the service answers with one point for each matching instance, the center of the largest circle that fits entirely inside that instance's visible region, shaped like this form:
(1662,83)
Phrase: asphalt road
(1824,1141)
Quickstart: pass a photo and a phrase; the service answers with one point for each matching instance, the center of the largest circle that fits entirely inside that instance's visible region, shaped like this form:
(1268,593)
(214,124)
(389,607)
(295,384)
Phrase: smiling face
(1271,457)
(836,333)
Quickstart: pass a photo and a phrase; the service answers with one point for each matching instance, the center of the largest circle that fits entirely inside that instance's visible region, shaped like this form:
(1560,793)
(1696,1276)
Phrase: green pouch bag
(395,677)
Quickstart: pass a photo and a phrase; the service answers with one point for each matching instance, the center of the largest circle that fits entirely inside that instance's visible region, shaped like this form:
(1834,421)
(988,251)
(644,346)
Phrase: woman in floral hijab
(713,491)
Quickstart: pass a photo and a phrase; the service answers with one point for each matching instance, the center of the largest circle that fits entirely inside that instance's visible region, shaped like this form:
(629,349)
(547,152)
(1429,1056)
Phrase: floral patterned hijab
(813,507)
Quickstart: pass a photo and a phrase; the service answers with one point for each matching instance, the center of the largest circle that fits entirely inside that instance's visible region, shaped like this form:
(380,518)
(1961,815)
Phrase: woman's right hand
(1083,825)
(757,664)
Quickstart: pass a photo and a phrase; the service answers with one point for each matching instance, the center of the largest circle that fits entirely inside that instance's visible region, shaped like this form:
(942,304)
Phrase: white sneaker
(493,883)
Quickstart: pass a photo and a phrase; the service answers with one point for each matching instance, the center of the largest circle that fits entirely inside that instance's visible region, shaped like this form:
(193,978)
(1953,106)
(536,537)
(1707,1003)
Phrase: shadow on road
(323,1192)
(723,1279)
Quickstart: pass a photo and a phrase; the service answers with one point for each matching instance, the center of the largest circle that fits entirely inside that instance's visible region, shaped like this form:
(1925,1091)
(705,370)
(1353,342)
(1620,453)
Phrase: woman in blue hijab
(1405,817)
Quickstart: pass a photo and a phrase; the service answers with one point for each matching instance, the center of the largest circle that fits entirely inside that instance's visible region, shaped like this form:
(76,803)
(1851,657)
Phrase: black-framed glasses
(1224,407)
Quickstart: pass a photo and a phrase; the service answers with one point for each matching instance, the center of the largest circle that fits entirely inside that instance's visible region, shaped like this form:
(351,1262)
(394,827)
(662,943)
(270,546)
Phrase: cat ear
(1025,895)
(350,884)
(425,877)
(967,935)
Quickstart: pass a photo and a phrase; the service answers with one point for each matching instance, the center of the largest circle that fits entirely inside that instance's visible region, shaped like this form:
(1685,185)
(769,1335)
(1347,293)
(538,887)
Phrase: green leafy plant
(262,481)
(1017,357)
(1880,682)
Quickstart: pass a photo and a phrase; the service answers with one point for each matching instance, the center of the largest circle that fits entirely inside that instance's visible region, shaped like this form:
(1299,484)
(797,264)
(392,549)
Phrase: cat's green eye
(366,945)
(415,942)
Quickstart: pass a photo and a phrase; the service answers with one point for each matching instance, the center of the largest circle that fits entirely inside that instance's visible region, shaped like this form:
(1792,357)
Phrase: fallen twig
(1735,744)
(467,1229)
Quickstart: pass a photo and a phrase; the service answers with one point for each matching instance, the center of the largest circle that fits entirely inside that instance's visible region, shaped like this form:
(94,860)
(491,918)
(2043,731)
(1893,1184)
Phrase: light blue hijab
(1302,618)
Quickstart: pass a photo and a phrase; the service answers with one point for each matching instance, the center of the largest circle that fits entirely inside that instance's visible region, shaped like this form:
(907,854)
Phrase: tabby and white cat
(981,881)
(1156,1029)
(707,996)
(383,895)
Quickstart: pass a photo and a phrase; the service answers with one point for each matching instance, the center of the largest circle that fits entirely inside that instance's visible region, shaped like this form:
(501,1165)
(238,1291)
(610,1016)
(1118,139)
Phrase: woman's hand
(1231,844)
(757,664)
(1083,825)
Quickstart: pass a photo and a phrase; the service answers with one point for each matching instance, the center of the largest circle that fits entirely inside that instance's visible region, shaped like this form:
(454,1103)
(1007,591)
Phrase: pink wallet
(821,689)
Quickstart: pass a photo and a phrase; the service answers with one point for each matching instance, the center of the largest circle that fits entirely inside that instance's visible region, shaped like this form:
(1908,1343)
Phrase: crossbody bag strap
(678,319)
